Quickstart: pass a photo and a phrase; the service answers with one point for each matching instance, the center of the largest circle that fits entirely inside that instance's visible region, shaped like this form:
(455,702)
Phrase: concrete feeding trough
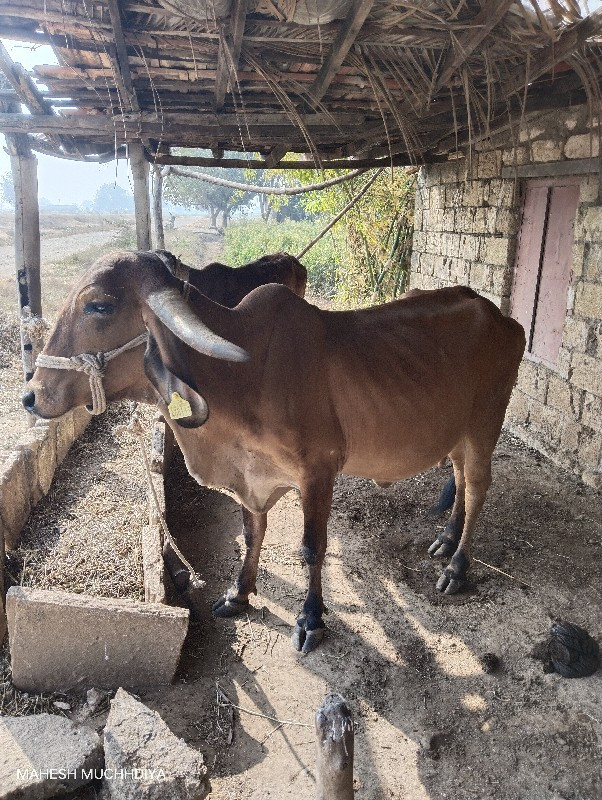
(62,641)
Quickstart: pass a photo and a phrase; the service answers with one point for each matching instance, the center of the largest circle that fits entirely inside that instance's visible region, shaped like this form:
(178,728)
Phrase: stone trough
(62,641)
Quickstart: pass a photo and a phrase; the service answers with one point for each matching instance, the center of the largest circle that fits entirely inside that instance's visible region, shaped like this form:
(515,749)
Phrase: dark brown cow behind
(228,285)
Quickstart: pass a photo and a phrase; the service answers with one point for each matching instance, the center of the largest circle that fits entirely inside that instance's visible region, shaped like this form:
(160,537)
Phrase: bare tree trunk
(140,173)
(158,231)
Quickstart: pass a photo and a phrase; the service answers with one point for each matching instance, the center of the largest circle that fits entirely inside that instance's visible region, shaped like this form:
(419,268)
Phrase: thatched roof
(339,79)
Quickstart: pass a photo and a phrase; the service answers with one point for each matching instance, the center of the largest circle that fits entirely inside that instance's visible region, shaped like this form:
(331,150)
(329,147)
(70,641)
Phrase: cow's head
(122,296)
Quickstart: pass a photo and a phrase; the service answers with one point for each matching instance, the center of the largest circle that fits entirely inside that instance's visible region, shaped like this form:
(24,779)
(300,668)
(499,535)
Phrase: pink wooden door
(555,272)
(528,257)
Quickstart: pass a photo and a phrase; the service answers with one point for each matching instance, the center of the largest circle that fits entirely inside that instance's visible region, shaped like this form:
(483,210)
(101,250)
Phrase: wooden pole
(158,232)
(140,173)
(334,750)
(24,167)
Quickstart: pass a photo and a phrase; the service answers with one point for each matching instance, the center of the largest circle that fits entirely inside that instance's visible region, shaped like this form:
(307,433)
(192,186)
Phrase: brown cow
(277,394)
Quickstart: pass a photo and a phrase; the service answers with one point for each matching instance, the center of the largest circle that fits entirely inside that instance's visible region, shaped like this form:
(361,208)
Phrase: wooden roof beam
(229,51)
(562,48)
(481,26)
(338,52)
(123,75)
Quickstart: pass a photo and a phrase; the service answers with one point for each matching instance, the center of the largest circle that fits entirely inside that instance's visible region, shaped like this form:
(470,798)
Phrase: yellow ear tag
(178,407)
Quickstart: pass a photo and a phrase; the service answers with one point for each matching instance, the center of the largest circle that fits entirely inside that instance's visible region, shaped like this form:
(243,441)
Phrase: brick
(65,642)
(515,155)
(497,250)
(582,146)
(588,300)
(591,223)
(560,396)
(587,373)
(546,150)
(469,247)
(478,273)
(473,193)
(15,498)
(501,193)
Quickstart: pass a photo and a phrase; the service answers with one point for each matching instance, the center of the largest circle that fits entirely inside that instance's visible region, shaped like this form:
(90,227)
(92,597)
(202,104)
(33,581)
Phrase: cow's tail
(446,498)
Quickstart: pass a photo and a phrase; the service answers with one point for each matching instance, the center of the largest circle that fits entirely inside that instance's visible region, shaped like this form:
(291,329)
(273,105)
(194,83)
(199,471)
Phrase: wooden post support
(24,168)
(140,174)
(158,232)
(334,750)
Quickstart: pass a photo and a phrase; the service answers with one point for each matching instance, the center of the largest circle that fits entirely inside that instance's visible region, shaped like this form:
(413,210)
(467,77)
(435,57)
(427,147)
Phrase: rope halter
(94,366)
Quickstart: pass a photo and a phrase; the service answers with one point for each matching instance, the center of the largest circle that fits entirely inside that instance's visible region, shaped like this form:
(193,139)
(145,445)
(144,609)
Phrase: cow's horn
(171,309)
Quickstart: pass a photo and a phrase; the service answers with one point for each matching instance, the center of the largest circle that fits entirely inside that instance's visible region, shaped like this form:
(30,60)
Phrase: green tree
(196,193)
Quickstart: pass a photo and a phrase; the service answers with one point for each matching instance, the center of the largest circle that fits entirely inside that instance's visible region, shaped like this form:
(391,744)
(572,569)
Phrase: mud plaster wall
(466,227)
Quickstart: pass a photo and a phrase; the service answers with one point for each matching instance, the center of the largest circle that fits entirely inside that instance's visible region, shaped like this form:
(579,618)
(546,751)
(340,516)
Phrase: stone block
(569,438)
(497,250)
(518,407)
(559,395)
(501,193)
(478,276)
(587,373)
(489,165)
(591,411)
(593,478)
(582,146)
(81,420)
(590,447)
(44,755)
(589,191)
(152,564)
(145,759)
(547,421)
(515,155)
(15,498)
(588,300)
(63,642)
(469,247)
(592,261)
(530,132)
(3,627)
(38,446)
(590,224)
(546,150)
(533,380)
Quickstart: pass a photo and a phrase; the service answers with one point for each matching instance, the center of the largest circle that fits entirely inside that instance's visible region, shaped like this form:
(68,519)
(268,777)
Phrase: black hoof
(442,547)
(305,641)
(229,607)
(453,577)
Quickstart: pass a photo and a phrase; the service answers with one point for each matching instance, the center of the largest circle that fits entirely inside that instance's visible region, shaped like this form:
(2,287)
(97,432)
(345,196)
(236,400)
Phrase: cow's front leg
(236,599)
(310,627)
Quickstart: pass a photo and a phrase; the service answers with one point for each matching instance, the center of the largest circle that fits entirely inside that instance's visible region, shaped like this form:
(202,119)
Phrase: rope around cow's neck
(94,365)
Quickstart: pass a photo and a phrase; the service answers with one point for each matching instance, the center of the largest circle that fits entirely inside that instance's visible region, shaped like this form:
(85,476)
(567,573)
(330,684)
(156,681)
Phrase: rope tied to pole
(93,365)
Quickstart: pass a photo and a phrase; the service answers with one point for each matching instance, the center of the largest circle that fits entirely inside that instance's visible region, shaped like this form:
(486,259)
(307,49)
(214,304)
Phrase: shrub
(246,241)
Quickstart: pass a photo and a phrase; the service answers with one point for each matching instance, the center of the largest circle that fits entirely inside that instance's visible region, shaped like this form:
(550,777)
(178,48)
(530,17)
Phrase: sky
(59,180)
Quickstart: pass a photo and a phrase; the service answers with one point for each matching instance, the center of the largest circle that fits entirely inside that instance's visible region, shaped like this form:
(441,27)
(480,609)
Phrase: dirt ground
(430,721)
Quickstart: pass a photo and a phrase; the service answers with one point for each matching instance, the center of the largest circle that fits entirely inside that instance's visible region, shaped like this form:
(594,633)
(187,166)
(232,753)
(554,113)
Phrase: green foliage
(247,241)
(111,197)
(373,239)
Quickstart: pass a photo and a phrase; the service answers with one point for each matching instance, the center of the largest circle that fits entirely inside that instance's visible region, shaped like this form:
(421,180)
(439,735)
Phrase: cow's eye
(99,308)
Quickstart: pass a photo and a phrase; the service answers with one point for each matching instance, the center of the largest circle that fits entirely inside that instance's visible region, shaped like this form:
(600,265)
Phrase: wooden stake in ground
(334,750)
(139,167)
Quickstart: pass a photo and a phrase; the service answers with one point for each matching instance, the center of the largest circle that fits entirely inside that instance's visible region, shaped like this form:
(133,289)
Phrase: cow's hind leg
(236,599)
(310,627)
(447,541)
(477,474)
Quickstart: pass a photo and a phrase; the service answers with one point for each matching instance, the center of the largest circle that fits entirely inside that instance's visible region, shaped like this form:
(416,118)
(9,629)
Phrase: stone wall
(466,229)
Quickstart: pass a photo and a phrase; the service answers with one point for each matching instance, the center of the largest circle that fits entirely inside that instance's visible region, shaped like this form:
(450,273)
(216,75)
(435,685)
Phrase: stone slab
(44,755)
(62,642)
(144,760)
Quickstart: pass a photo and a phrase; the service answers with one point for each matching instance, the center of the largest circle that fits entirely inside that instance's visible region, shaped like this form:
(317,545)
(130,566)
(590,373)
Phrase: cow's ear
(185,405)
